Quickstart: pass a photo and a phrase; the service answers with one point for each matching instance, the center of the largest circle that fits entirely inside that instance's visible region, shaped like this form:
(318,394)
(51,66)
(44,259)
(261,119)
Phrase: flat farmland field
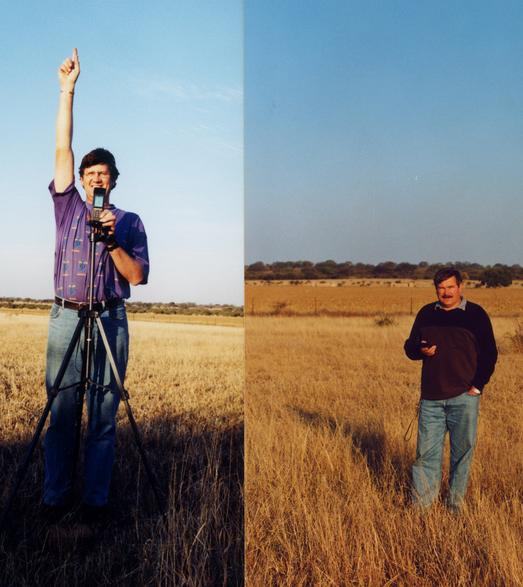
(360,297)
(329,401)
(186,391)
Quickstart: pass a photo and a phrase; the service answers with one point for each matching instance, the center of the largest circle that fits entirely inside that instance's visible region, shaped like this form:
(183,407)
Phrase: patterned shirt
(72,249)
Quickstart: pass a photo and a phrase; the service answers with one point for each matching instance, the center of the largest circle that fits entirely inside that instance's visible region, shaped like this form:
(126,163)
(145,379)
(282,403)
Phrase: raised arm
(64,158)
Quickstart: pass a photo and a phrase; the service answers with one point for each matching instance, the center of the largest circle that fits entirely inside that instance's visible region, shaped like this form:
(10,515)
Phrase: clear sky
(384,130)
(161,87)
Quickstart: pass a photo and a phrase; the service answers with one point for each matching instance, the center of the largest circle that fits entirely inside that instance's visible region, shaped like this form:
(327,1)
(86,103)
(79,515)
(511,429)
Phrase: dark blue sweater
(466,350)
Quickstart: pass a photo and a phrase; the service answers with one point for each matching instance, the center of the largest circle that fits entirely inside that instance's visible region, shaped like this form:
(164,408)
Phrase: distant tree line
(187,308)
(490,275)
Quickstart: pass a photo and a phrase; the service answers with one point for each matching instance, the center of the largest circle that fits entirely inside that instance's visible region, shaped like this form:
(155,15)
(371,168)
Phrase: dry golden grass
(328,401)
(186,384)
(188,319)
(149,317)
(351,298)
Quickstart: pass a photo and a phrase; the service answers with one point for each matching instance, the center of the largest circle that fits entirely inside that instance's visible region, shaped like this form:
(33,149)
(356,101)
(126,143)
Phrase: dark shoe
(94,515)
(53,514)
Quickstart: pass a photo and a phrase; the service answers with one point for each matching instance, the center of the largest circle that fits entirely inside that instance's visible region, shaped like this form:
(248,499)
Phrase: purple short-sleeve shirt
(72,249)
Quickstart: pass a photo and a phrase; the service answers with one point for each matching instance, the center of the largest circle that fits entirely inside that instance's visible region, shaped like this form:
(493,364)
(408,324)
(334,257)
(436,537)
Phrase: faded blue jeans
(458,416)
(102,406)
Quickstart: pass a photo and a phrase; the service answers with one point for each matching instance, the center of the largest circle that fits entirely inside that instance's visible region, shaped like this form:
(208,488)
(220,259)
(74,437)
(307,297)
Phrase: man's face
(97,176)
(449,293)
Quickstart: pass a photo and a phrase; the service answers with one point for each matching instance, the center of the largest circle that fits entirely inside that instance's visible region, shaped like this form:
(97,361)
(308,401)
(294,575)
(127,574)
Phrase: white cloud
(183,91)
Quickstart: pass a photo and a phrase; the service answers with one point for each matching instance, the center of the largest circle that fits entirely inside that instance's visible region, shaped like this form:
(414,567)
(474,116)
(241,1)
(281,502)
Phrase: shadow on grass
(198,540)
(386,465)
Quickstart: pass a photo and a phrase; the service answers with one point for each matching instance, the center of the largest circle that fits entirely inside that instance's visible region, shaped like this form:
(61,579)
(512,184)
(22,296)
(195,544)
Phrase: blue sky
(374,131)
(388,130)
(161,86)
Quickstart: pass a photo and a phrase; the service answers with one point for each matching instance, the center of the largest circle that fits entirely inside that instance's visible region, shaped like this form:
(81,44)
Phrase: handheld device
(99,203)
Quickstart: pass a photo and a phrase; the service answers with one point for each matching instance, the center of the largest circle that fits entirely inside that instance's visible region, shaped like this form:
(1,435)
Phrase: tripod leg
(53,392)
(86,369)
(125,397)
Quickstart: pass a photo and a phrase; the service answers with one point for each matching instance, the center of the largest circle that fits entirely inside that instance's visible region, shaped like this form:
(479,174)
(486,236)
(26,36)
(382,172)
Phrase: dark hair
(97,157)
(447,273)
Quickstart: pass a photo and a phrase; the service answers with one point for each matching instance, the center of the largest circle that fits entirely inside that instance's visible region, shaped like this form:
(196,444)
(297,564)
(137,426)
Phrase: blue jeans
(102,405)
(458,415)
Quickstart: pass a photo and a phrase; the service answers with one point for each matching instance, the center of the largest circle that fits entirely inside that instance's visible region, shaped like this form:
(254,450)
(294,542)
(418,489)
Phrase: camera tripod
(87,318)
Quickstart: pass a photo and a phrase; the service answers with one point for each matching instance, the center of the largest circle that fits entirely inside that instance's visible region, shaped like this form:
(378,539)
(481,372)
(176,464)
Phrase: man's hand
(108,220)
(69,72)
(429,351)
(473,391)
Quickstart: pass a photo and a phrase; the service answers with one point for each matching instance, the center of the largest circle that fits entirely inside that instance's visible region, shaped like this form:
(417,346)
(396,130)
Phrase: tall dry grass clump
(328,402)
(186,386)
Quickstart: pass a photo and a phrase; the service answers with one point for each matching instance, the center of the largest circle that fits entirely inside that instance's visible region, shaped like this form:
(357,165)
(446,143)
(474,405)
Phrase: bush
(384,320)
(279,307)
(517,338)
(497,277)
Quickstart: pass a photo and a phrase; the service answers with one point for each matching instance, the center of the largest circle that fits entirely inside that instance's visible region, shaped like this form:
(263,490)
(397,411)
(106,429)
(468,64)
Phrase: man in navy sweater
(454,339)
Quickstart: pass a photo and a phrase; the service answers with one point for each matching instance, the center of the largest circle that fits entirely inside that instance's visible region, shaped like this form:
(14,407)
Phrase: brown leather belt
(98,306)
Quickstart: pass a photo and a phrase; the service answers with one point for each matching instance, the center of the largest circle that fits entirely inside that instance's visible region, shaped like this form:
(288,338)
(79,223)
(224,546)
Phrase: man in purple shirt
(121,259)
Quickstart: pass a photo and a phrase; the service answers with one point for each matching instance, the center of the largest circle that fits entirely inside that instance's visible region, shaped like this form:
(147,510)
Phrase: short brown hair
(447,273)
(100,156)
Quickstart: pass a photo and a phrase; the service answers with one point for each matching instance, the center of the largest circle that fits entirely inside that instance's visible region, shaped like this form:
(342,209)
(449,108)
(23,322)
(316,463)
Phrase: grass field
(147,317)
(186,384)
(360,297)
(328,402)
